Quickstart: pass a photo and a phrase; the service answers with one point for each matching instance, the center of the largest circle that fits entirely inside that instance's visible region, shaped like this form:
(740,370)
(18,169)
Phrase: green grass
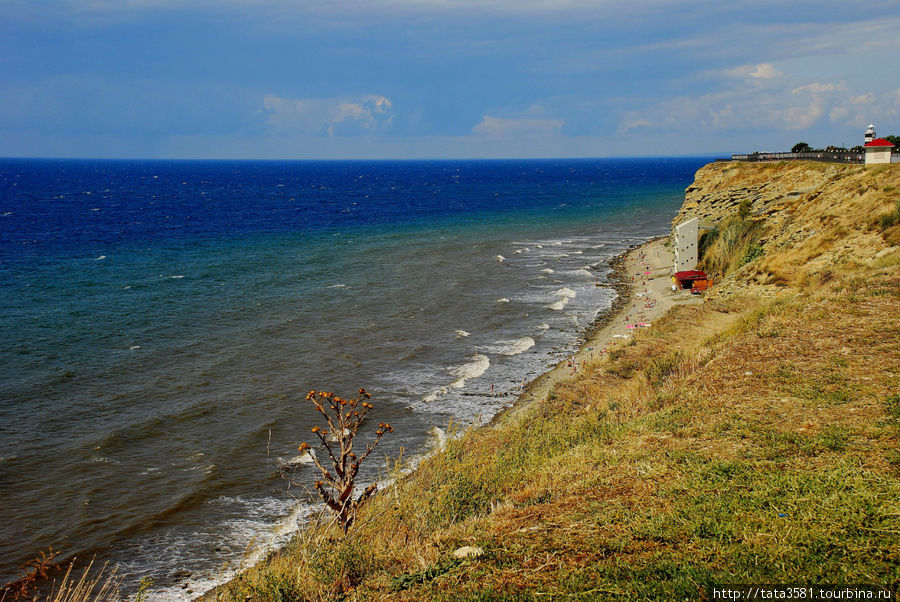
(761,448)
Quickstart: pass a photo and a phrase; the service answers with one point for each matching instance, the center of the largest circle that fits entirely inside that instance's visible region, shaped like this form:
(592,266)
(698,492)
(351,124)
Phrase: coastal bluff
(815,215)
(749,437)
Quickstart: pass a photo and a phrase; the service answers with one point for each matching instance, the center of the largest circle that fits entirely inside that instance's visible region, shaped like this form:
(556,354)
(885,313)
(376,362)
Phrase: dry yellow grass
(750,439)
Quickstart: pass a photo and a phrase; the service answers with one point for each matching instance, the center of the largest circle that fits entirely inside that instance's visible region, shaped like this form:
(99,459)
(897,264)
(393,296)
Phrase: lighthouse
(870,134)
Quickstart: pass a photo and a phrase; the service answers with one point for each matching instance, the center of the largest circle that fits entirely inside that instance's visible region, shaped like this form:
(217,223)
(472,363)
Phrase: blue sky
(285,79)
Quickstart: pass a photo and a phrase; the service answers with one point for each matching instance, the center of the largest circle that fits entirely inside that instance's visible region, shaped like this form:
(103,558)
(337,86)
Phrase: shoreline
(598,335)
(632,283)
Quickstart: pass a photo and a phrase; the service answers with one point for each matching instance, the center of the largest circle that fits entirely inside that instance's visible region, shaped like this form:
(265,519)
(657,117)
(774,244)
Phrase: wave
(474,369)
(558,305)
(461,333)
(515,347)
(503,300)
(565,295)
(438,438)
(434,395)
(565,292)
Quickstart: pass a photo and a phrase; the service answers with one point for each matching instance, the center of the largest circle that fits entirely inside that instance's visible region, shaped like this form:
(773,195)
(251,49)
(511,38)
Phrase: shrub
(731,244)
(344,418)
(891,219)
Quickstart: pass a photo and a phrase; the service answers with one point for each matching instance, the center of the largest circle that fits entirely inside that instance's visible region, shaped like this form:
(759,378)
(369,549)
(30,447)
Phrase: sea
(162,322)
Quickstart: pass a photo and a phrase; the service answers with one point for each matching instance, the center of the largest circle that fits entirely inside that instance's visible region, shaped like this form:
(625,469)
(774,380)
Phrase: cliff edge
(748,439)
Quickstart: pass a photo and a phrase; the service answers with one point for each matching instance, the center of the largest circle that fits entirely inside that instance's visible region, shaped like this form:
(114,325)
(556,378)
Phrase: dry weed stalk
(344,418)
(104,586)
(36,570)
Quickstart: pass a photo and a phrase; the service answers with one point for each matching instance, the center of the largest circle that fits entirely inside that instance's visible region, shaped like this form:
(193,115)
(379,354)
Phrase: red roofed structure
(693,279)
(878,150)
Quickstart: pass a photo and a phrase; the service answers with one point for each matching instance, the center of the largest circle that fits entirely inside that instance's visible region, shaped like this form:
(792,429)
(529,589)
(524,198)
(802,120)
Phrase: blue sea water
(162,322)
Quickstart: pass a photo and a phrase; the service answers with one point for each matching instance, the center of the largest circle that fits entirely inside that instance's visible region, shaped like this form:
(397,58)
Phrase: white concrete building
(686,245)
(878,150)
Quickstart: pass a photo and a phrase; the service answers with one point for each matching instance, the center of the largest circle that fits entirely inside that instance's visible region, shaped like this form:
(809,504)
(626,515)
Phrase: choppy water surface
(163,320)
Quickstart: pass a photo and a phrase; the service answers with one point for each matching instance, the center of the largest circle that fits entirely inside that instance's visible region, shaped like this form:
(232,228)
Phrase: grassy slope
(750,439)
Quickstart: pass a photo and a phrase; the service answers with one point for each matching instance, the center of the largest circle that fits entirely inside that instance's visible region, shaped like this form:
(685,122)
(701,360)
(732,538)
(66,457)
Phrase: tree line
(803,147)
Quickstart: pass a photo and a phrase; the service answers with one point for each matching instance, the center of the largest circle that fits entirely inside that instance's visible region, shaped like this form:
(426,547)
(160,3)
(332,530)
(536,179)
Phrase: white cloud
(343,117)
(780,105)
(498,127)
(817,88)
(762,71)
(867,98)
(632,122)
(877,107)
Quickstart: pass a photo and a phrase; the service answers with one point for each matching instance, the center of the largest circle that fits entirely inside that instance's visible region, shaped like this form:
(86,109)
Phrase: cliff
(815,216)
(750,438)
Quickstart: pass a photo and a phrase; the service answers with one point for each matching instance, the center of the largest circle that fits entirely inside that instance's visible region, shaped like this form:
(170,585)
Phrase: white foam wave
(501,258)
(558,305)
(473,369)
(461,333)
(434,395)
(102,460)
(338,286)
(260,534)
(177,277)
(304,458)
(543,327)
(584,272)
(101,258)
(517,346)
(565,295)
(503,300)
(547,271)
(438,438)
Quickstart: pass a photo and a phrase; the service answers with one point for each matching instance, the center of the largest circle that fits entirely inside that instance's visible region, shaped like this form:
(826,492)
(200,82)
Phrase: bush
(889,220)
(731,244)
(344,418)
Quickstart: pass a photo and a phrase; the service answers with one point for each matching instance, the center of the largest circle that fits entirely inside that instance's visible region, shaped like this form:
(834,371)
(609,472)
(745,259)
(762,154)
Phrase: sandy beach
(646,294)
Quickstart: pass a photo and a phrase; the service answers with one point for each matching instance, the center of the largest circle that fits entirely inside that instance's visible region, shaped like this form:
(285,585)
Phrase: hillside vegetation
(752,438)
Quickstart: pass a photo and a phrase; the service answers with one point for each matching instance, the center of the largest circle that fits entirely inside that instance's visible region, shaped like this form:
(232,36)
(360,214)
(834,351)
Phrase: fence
(827,156)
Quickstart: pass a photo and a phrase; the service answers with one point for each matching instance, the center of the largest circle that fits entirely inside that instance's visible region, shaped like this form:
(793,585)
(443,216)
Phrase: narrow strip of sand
(647,294)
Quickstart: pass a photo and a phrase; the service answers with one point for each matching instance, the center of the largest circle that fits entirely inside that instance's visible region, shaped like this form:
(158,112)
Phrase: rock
(468,552)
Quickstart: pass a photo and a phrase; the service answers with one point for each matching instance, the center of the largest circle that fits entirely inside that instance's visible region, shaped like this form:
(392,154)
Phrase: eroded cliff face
(816,215)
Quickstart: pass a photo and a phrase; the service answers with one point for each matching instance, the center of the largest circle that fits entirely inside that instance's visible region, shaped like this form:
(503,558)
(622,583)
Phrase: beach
(644,286)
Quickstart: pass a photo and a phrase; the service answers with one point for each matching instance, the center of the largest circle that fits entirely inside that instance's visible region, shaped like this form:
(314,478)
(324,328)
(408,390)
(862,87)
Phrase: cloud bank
(332,117)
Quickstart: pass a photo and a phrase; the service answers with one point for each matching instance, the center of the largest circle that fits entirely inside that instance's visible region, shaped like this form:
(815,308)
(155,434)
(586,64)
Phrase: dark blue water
(163,320)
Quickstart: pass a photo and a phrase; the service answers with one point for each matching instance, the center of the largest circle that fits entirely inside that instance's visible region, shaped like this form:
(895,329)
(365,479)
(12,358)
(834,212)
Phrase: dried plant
(36,570)
(344,418)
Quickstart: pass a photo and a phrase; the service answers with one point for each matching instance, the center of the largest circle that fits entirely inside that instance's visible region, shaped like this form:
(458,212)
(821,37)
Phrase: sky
(407,79)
